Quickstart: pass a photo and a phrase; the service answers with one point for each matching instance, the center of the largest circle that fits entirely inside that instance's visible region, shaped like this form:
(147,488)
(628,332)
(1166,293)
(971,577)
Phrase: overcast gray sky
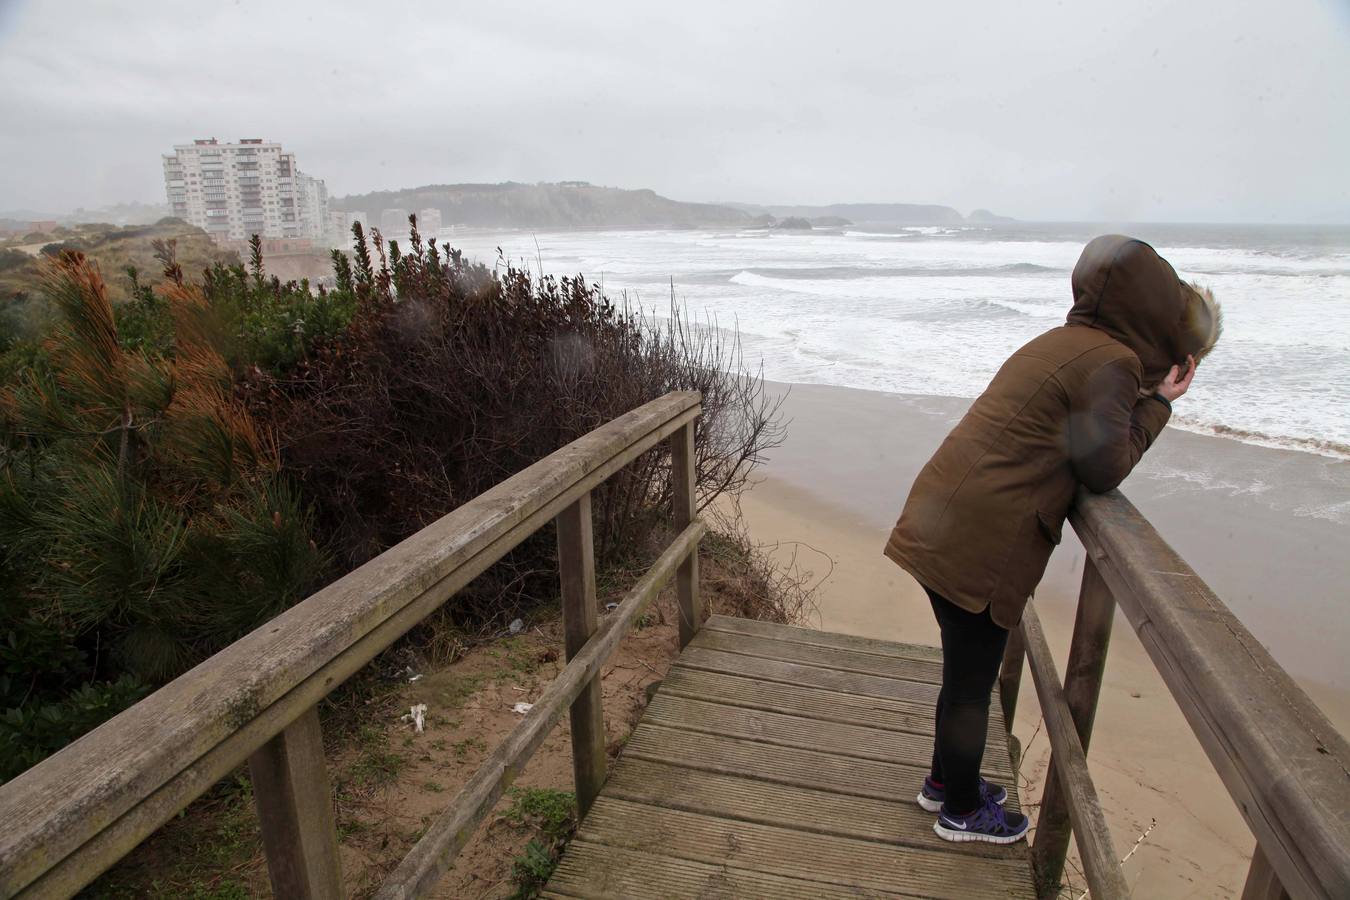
(1206,110)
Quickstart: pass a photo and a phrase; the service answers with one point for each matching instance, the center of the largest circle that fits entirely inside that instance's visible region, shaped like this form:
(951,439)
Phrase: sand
(1264,527)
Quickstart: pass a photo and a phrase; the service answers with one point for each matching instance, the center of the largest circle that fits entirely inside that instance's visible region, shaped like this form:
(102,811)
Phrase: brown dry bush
(453,377)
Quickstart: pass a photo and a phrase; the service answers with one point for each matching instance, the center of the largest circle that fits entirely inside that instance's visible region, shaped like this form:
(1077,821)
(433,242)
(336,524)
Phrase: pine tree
(143,520)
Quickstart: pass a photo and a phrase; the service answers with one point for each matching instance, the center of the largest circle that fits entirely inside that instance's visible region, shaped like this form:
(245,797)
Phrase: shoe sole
(961,837)
(933,806)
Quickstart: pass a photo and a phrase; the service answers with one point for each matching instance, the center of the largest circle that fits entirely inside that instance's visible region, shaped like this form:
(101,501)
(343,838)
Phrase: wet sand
(1265,528)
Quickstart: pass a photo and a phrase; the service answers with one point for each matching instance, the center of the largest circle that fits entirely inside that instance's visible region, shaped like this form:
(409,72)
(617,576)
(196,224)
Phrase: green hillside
(562,205)
(113,248)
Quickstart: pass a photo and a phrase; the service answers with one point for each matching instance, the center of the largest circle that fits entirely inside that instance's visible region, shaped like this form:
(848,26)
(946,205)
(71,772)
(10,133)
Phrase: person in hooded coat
(1077,405)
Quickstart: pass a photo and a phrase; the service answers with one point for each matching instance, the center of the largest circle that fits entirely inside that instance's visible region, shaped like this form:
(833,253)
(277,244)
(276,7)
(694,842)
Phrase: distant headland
(579,204)
(563,204)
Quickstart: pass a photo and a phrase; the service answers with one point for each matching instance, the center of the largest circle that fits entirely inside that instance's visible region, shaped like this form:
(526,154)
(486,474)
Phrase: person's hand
(1173,386)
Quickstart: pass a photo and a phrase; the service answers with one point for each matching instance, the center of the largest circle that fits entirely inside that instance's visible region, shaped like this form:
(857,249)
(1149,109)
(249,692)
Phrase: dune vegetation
(180,463)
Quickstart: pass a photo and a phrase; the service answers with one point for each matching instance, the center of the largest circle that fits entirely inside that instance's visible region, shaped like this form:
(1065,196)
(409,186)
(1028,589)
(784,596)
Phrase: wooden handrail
(433,854)
(1069,768)
(1063,809)
(1282,761)
(69,818)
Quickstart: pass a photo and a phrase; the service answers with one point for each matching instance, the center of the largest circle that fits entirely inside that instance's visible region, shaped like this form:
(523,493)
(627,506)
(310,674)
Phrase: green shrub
(553,814)
(264,322)
(170,464)
(452,377)
(552,811)
(531,870)
(29,732)
(144,522)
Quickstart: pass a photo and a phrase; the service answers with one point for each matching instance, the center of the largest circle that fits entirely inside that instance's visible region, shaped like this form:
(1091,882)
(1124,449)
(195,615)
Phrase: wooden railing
(68,819)
(1285,765)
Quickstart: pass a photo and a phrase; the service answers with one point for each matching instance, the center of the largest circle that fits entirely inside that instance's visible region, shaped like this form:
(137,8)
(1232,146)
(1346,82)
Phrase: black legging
(972,651)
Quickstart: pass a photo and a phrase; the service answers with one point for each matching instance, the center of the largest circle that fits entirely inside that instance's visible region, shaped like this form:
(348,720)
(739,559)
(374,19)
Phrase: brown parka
(1074,406)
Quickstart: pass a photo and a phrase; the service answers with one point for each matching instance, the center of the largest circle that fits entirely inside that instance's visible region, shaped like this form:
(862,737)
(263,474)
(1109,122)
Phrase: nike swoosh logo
(951,824)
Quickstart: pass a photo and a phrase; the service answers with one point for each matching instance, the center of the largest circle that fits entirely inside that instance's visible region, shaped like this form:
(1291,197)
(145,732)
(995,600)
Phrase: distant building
(393,221)
(429,221)
(312,206)
(235,191)
(338,228)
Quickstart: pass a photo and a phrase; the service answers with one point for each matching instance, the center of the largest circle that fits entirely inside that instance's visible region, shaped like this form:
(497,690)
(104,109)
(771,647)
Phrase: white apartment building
(235,191)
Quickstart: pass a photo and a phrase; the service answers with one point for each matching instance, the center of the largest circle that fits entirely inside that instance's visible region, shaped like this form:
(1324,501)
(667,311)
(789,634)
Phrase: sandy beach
(1266,528)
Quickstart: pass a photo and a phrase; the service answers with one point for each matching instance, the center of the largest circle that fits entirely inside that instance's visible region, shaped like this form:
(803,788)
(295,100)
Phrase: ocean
(932,312)
(937,309)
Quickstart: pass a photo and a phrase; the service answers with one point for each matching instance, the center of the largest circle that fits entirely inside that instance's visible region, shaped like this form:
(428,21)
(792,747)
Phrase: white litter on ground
(522,708)
(418,716)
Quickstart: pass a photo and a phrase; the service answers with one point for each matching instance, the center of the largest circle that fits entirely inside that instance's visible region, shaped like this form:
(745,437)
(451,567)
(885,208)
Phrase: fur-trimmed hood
(1123,287)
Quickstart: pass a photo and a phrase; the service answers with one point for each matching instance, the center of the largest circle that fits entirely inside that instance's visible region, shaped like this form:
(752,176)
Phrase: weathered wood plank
(792,765)
(796,854)
(1010,678)
(814,703)
(683,484)
(1082,687)
(1091,833)
(897,820)
(105,792)
(1282,761)
(922,670)
(808,676)
(429,858)
(786,730)
(1262,882)
(829,639)
(295,812)
(598,872)
(576,570)
(780,773)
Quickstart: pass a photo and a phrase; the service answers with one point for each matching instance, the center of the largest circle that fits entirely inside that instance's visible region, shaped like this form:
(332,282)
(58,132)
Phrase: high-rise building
(235,191)
(311,196)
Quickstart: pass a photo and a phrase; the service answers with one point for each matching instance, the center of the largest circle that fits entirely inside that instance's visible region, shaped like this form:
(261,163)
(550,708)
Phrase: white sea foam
(936,310)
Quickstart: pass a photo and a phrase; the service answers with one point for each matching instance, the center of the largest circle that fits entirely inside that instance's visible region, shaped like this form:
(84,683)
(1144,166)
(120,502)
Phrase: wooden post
(1262,882)
(682,490)
(1009,683)
(1010,676)
(295,812)
(1082,686)
(576,565)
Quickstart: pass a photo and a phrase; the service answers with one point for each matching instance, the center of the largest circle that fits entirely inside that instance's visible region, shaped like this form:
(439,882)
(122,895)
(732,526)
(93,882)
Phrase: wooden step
(815,703)
(788,853)
(897,820)
(791,765)
(782,762)
(925,670)
(598,872)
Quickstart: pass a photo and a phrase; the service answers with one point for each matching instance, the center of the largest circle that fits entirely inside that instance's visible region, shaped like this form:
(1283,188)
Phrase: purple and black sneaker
(990,823)
(934,795)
